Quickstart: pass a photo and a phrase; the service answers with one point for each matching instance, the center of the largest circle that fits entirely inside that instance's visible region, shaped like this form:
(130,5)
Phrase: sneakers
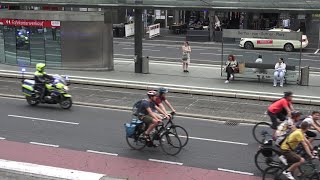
(274,85)
(226,82)
(288,175)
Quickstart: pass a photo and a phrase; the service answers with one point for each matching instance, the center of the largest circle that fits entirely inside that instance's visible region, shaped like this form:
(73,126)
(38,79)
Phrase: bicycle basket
(130,129)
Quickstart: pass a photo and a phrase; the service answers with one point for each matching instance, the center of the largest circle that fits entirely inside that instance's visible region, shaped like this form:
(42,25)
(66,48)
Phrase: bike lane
(113,166)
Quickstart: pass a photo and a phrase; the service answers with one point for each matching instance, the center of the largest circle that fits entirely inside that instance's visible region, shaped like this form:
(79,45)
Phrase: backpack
(281,138)
(137,108)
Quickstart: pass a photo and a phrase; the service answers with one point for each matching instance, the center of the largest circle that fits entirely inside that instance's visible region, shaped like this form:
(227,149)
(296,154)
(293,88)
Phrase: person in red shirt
(162,98)
(280,109)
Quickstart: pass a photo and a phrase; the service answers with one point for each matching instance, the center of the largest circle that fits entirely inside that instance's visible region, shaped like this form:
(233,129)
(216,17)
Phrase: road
(185,103)
(102,130)
(211,53)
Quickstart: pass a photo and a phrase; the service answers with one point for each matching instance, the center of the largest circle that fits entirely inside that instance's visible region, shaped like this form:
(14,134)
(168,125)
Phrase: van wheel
(248,45)
(288,47)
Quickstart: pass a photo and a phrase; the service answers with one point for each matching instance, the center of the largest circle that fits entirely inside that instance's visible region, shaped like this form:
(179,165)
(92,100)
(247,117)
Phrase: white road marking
(215,54)
(2,138)
(127,48)
(216,140)
(48,171)
(316,51)
(296,59)
(151,50)
(237,172)
(105,153)
(40,119)
(167,162)
(43,144)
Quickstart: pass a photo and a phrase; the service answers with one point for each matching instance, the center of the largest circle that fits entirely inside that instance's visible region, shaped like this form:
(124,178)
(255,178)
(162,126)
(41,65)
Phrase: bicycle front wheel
(170,143)
(181,133)
(260,131)
(274,173)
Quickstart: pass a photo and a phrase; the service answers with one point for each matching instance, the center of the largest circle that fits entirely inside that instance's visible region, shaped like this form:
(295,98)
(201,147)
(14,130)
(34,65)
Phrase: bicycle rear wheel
(274,173)
(266,157)
(261,130)
(137,142)
(170,143)
(181,133)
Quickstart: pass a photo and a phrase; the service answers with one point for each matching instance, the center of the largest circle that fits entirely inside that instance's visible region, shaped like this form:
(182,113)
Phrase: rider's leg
(294,158)
(274,120)
(152,123)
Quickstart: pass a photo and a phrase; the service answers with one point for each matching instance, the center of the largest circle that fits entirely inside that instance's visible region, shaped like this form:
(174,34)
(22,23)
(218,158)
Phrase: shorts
(274,119)
(147,119)
(291,156)
(311,134)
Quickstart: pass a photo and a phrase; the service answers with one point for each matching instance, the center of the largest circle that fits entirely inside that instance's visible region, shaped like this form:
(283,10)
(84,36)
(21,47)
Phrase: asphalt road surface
(211,146)
(186,103)
(211,53)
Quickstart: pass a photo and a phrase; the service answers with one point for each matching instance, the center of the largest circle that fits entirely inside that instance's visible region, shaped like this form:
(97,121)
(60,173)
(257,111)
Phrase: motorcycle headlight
(66,88)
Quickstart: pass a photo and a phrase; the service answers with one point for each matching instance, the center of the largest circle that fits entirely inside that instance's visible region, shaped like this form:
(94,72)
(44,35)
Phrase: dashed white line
(237,172)
(316,51)
(2,138)
(104,153)
(151,50)
(216,140)
(127,48)
(167,162)
(40,119)
(43,144)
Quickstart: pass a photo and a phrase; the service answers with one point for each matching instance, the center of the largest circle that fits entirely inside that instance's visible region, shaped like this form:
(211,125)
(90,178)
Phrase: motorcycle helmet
(40,67)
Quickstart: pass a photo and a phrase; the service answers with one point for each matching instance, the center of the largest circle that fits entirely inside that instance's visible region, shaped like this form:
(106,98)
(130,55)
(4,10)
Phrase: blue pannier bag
(130,129)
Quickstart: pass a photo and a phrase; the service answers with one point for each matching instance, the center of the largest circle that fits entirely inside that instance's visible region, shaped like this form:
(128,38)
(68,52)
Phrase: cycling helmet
(163,90)
(40,67)
(152,93)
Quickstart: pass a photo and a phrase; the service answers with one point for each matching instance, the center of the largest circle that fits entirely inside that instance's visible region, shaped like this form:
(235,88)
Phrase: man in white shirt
(315,116)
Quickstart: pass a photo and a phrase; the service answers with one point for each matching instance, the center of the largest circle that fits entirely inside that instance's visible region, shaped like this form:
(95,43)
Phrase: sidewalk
(201,77)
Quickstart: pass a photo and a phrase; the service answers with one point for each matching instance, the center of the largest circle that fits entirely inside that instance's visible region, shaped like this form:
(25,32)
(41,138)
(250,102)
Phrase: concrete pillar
(176,16)
(138,31)
(211,25)
(108,40)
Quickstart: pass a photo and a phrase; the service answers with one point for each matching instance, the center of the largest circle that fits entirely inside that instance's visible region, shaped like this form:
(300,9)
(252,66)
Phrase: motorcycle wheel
(66,103)
(32,101)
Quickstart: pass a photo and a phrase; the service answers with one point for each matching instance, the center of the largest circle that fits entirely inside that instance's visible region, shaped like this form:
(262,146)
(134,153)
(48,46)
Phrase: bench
(266,71)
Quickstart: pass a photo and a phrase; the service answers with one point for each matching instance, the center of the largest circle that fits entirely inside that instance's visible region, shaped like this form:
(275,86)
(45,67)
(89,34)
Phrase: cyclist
(289,124)
(41,77)
(147,113)
(161,97)
(290,143)
(280,109)
(311,121)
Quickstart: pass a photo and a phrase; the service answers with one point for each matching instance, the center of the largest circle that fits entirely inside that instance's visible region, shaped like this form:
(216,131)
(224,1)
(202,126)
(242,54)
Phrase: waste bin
(304,76)
(145,65)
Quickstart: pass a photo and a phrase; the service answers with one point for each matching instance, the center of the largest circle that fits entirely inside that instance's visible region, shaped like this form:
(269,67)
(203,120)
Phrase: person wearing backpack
(290,144)
(146,113)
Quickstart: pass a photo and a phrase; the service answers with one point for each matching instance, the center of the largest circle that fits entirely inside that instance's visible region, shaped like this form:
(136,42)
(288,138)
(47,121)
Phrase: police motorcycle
(56,93)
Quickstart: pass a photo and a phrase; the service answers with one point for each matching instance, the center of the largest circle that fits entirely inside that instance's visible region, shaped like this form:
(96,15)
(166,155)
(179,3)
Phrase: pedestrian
(186,50)
(231,67)
(279,73)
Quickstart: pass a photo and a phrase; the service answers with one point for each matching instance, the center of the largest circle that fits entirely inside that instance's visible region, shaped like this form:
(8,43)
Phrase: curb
(126,108)
(230,93)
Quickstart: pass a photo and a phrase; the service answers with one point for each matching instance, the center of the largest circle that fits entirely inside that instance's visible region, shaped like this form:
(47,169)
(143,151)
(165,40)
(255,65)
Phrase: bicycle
(267,156)
(169,142)
(261,132)
(308,171)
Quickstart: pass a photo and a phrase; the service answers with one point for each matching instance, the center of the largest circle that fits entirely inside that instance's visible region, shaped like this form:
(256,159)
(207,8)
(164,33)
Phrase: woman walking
(186,50)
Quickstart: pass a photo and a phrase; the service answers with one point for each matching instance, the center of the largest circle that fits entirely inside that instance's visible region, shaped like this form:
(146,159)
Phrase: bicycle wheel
(273,173)
(266,157)
(137,142)
(315,176)
(181,133)
(170,143)
(261,131)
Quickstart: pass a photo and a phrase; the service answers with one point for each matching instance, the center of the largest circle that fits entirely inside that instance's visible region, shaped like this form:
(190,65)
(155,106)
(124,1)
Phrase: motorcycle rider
(41,78)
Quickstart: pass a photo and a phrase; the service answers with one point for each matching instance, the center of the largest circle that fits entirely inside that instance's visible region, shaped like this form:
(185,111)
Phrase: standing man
(280,109)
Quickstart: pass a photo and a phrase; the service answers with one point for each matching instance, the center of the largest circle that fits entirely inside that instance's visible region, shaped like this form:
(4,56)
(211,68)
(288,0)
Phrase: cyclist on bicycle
(289,124)
(147,113)
(290,143)
(280,109)
(311,120)
(161,97)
